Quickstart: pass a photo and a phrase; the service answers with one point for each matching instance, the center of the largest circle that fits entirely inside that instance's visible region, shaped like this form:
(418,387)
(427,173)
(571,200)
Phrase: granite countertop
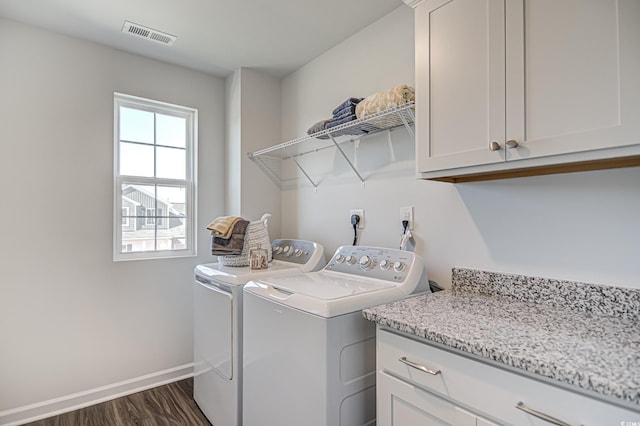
(579,334)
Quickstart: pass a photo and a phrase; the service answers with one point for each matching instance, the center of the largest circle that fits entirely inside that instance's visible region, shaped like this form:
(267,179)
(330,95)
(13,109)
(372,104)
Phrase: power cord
(405,225)
(406,237)
(355,220)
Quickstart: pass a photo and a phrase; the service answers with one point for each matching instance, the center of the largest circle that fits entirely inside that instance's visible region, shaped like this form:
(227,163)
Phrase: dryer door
(213,323)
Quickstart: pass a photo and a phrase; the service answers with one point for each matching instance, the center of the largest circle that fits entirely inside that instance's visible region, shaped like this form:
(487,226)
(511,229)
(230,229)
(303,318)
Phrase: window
(151,216)
(125,216)
(155,158)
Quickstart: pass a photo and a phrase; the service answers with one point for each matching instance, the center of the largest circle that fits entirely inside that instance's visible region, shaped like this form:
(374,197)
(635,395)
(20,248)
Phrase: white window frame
(191,116)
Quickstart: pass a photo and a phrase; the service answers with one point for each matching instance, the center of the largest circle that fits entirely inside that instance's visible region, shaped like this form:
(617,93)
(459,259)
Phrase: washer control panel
(295,251)
(372,262)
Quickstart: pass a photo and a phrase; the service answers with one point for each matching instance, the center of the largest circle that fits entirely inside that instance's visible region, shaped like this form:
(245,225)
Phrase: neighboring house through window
(155,158)
(125,217)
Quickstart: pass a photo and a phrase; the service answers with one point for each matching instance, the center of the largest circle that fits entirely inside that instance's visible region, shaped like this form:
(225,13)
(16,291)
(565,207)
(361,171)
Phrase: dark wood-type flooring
(171,404)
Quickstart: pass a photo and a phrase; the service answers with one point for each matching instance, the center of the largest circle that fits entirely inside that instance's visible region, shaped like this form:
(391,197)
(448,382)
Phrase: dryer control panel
(295,251)
(373,262)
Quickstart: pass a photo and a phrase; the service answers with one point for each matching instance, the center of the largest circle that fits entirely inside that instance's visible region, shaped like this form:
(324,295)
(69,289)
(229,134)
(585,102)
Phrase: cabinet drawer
(403,404)
(489,389)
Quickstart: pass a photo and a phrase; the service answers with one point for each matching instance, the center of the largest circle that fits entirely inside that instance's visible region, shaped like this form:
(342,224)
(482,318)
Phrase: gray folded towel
(318,127)
(338,121)
(232,245)
(348,104)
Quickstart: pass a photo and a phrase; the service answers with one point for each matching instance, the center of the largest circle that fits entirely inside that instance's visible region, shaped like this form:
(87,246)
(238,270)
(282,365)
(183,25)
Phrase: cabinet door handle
(494,146)
(512,143)
(427,370)
(547,418)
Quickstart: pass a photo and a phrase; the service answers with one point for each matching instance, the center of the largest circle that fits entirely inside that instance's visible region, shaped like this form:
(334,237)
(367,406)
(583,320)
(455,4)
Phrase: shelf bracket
(315,185)
(346,158)
(406,124)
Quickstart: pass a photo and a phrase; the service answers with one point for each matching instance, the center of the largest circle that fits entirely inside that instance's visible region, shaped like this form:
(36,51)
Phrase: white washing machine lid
(240,275)
(327,294)
(325,285)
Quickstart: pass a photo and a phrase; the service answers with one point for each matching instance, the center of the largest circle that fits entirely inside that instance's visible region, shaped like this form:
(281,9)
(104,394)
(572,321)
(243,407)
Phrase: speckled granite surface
(566,335)
(590,298)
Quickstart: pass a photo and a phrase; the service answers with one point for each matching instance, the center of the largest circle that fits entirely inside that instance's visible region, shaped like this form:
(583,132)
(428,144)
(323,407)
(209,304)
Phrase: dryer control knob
(298,252)
(286,249)
(351,260)
(385,264)
(365,261)
(339,258)
(398,266)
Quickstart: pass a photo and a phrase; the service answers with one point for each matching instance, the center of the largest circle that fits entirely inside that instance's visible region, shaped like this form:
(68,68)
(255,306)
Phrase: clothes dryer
(309,354)
(218,307)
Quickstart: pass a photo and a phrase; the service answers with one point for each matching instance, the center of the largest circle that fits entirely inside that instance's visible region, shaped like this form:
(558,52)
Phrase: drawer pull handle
(520,406)
(404,360)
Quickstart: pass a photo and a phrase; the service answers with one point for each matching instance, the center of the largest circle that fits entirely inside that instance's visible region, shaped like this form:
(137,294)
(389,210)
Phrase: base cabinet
(418,383)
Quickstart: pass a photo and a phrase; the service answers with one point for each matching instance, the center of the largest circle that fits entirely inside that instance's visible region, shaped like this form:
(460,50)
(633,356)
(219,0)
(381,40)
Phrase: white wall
(581,226)
(71,319)
(253,123)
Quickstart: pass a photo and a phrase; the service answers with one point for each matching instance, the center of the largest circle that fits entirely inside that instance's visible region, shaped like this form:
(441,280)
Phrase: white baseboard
(64,404)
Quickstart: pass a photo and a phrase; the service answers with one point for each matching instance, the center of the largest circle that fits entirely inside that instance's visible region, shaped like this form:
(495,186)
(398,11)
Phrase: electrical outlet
(406,213)
(359,212)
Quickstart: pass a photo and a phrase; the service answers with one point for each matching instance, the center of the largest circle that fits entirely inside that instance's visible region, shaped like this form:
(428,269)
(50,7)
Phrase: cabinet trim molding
(580,166)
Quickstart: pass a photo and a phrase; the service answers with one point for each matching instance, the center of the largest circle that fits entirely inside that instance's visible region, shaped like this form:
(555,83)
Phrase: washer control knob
(365,261)
(385,264)
(298,252)
(286,249)
(351,260)
(339,258)
(398,266)
(277,249)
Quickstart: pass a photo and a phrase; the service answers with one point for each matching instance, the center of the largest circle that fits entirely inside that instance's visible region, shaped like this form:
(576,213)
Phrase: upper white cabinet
(539,86)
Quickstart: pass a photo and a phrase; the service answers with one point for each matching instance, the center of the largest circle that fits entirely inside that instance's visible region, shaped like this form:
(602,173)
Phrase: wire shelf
(269,159)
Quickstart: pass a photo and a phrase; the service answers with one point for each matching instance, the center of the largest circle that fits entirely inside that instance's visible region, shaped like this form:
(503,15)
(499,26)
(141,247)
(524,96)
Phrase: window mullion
(155,216)
(155,185)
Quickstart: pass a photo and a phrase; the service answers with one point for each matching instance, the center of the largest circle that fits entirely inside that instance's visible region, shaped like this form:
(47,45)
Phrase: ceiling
(213,36)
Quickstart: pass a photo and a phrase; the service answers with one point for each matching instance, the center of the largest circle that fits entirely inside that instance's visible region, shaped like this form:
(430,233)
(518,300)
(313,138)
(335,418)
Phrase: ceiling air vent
(148,33)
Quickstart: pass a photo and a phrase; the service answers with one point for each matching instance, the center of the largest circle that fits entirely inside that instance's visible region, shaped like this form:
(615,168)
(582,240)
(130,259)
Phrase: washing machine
(218,306)
(309,354)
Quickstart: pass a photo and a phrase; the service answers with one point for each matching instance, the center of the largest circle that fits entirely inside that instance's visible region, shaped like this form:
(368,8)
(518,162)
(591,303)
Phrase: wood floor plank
(176,407)
(168,405)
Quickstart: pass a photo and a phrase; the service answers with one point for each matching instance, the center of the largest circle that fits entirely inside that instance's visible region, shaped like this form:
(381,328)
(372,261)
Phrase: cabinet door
(460,90)
(402,404)
(572,75)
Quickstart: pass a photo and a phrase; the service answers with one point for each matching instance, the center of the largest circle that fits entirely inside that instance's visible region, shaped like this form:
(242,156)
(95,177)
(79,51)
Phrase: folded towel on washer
(234,244)
(381,101)
(223,226)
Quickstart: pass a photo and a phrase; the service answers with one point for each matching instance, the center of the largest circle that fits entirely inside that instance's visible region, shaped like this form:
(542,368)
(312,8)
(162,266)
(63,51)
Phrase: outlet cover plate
(359,212)
(406,213)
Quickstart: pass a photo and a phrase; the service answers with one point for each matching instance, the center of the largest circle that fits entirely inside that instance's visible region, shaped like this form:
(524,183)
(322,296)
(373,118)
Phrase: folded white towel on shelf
(382,101)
